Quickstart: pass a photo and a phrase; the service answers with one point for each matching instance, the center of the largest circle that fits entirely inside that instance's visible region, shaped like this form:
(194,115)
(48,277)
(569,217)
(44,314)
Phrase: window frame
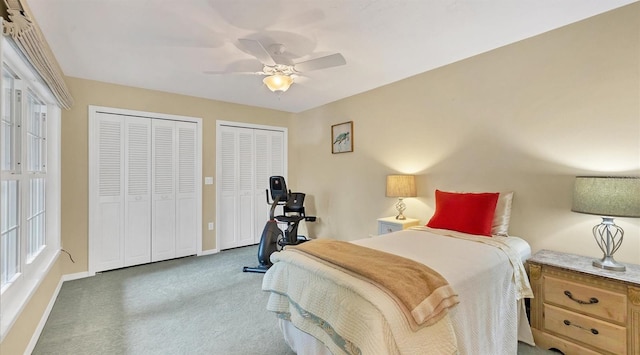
(15,296)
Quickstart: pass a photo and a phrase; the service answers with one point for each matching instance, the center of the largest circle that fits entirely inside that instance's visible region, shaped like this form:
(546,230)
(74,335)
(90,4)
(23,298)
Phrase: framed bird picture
(342,137)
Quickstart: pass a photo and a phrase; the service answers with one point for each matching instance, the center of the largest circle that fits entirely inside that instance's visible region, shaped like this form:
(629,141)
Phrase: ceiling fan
(280,75)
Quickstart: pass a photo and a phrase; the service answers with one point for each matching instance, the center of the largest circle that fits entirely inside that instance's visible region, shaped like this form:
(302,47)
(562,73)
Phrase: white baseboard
(78,275)
(43,320)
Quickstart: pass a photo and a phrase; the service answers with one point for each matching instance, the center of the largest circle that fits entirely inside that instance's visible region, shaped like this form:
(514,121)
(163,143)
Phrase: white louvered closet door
(269,161)
(227,187)
(108,212)
(144,188)
(236,188)
(137,173)
(186,188)
(246,203)
(163,208)
(245,161)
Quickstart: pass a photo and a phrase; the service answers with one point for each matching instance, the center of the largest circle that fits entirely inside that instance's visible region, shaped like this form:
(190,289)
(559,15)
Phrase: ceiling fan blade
(332,60)
(257,50)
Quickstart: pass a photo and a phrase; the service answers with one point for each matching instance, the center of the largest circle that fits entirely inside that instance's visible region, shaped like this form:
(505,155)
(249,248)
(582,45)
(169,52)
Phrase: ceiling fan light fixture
(278,82)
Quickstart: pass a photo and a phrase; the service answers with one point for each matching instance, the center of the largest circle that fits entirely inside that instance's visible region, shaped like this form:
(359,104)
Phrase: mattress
(490,317)
(519,245)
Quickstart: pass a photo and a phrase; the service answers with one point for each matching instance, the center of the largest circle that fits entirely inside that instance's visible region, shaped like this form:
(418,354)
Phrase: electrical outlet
(210,226)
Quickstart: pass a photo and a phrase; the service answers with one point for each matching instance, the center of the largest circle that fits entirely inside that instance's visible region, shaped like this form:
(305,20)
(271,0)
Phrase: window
(10,195)
(36,148)
(10,244)
(23,185)
(29,184)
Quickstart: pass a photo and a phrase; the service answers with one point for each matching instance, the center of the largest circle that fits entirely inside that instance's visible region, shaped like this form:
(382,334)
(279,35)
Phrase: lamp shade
(607,196)
(401,186)
(278,82)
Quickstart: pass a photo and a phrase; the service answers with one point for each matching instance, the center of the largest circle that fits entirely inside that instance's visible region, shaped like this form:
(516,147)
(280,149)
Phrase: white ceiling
(167,45)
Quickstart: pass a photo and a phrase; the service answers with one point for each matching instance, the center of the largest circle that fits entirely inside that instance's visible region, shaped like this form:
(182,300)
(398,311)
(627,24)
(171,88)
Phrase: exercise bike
(273,239)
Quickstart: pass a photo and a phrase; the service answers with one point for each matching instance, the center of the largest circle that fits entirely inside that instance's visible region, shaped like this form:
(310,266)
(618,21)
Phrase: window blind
(25,32)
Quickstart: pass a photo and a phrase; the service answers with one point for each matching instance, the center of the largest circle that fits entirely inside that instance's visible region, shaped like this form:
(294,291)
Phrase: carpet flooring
(194,305)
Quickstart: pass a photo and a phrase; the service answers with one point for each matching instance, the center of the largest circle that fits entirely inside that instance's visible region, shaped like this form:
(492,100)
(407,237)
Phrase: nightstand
(581,309)
(391,224)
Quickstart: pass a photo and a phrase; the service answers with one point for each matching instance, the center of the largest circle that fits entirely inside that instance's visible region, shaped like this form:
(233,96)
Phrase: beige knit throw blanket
(423,295)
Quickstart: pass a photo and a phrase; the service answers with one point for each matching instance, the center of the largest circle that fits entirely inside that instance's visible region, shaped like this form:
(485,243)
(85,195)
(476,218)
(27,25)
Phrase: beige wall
(16,341)
(75,149)
(527,117)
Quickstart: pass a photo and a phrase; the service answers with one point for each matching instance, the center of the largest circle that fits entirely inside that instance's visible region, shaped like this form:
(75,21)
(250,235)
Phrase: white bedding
(485,321)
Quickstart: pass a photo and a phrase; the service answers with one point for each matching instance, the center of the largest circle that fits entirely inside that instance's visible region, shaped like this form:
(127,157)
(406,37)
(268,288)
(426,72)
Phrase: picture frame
(342,137)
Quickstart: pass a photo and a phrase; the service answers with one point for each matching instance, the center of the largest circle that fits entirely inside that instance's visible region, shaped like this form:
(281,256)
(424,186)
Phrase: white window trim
(17,295)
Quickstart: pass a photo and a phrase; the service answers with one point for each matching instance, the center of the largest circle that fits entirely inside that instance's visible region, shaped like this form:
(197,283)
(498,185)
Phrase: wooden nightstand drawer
(594,332)
(586,299)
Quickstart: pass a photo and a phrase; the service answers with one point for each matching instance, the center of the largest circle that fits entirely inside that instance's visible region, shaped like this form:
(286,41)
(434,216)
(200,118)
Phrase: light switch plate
(208,180)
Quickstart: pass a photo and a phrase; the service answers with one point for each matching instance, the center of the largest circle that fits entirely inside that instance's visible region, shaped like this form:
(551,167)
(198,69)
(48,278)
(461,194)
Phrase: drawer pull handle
(592,300)
(592,330)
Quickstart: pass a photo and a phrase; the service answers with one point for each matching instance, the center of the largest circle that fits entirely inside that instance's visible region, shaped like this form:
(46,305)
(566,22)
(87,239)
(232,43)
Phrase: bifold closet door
(247,158)
(143,189)
(121,223)
(107,220)
(137,183)
(163,160)
(236,188)
(174,206)
(186,189)
(269,161)
(227,182)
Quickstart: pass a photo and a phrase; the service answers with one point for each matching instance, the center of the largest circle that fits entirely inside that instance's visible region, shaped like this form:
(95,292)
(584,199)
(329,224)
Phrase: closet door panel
(109,239)
(277,153)
(186,227)
(262,174)
(163,229)
(164,225)
(108,222)
(227,188)
(137,238)
(246,213)
(137,233)
(186,199)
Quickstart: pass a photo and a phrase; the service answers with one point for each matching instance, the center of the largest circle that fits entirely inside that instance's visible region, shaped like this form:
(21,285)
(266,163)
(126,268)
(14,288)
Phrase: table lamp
(401,186)
(607,197)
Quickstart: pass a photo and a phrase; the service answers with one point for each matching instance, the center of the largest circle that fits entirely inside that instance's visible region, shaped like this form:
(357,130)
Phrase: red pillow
(464,212)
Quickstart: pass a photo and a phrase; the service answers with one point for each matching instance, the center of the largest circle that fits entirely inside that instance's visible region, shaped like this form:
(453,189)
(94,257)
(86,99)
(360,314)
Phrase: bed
(324,310)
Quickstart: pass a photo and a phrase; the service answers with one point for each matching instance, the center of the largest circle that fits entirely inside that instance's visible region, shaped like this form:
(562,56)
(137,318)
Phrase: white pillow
(500,225)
